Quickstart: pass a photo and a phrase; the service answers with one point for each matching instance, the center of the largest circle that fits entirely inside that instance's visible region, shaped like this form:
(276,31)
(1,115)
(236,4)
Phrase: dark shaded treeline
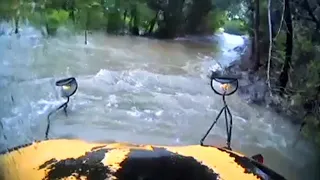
(157,18)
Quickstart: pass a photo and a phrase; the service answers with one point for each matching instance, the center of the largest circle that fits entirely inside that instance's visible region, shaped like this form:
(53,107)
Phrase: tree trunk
(73,17)
(134,21)
(86,28)
(271,32)
(125,13)
(69,5)
(256,36)
(152,23)
(16,21)
(251,30)
(85,36)
(284,76)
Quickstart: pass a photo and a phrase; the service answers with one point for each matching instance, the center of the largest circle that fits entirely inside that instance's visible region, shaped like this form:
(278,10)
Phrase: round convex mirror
(68,86)
(227,85)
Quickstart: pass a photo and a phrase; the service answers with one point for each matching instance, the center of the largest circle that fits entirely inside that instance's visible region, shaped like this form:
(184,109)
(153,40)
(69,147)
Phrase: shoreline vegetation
(279,64)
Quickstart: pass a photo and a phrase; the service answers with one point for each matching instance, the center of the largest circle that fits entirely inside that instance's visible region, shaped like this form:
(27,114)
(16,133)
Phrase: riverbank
(254,90)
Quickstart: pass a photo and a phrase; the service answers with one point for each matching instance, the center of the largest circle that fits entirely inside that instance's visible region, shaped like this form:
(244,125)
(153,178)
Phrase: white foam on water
(154,95)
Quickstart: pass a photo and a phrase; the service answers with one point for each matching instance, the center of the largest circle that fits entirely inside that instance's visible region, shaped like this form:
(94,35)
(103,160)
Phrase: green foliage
(114,20)
(236,26)
(303,40)
(8,9)
(312,130)
(314,74)
(106,15)
(304,84)
(146,15)
(56,18)
(36,19)
(217,19)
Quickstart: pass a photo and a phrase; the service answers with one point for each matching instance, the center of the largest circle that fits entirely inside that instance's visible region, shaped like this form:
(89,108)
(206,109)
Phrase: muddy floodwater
(137,90)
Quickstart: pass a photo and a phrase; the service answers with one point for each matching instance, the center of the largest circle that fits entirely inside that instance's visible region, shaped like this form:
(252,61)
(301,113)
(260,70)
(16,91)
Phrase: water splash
(153,92)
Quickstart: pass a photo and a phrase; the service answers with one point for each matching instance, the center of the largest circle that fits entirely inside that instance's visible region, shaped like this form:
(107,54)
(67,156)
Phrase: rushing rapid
(136,90)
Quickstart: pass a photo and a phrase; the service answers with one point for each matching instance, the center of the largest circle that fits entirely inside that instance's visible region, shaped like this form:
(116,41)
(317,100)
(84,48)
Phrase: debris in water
(12,100)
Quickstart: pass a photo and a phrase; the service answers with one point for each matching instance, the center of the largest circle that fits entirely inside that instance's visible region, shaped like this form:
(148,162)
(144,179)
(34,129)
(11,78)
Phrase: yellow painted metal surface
(42,160)
(217,160)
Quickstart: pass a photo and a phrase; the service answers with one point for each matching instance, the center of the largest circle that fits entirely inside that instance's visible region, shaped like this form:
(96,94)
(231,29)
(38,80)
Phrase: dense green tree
(160,18)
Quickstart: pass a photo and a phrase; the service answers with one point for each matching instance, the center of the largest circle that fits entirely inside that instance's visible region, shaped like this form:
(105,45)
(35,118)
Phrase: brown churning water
(136,90)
